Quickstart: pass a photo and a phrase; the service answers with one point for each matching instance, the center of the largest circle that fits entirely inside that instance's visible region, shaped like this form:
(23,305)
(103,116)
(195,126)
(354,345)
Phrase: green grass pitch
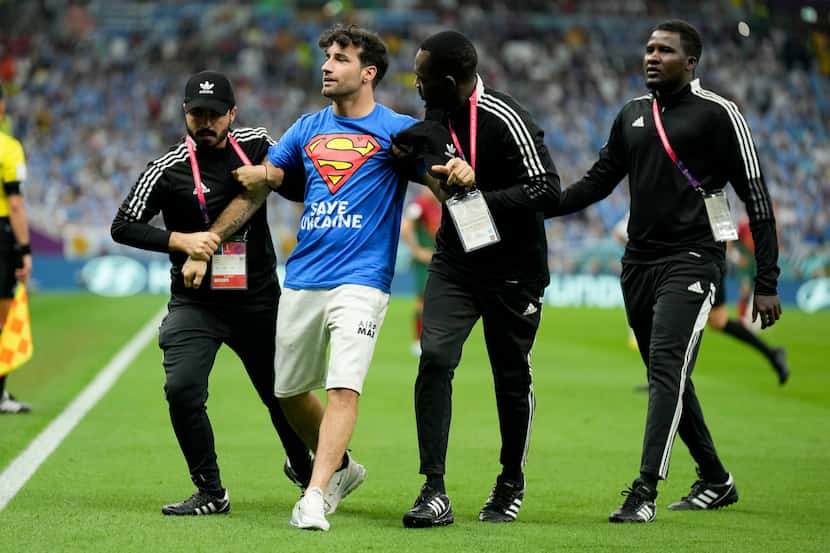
(102,489)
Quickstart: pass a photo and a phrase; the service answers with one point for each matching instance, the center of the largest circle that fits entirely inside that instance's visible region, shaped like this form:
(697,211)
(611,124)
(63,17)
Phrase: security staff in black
(672,263)
(190,186)
(502,283)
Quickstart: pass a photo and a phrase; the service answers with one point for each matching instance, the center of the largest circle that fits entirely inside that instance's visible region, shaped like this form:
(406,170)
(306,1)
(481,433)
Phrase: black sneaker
(200,503)
(638,506)
(294,477)
(504,502)
(779,363)
(432,508)
(705,495)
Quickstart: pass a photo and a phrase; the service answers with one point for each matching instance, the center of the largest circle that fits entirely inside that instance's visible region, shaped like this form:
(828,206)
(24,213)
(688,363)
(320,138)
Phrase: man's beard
(207,137)
(430,105)
(436,103)
(443,99)
(664,86)
(658,86)
(338,91)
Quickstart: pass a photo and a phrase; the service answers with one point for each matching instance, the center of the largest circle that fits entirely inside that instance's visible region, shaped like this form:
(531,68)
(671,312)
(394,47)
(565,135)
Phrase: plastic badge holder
(473,221)
(720,219)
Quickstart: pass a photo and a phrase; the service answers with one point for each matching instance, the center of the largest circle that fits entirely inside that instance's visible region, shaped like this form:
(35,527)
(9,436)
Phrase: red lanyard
(658,122)
(197,175)
(473,131)
(238,150)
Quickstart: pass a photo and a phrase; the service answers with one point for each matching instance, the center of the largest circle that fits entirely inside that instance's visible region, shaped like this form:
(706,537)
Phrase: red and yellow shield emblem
(337,156)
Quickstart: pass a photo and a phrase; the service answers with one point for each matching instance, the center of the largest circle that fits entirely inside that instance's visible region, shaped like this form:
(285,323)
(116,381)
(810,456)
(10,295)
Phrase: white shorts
(347,318)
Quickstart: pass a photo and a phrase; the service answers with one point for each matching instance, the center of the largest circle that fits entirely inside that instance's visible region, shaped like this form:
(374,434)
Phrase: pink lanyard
(666,146)
(197,175)
(473,131)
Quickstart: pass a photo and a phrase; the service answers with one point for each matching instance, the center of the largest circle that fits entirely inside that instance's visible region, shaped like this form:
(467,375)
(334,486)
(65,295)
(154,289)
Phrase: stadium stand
(94,87)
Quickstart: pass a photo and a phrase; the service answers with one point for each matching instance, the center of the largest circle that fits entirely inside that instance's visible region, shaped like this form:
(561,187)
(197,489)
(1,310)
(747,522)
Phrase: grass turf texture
(103,488)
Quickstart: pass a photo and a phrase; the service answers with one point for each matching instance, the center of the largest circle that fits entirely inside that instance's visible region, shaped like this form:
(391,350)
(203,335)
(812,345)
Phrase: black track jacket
(519,182)
(167,186)
(668,218)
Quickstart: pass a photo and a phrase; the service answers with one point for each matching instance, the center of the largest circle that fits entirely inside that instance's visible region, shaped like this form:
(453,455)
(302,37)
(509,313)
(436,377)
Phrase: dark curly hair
(372,47)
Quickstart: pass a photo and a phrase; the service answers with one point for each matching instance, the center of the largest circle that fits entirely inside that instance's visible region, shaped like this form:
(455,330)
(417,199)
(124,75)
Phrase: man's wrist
(272,185)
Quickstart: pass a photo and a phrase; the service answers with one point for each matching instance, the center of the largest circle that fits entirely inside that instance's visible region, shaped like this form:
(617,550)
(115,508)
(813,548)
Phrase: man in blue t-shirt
(338,278)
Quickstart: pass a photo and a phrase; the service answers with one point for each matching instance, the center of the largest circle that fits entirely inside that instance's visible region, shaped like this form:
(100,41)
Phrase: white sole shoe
(309,511)
(342,483)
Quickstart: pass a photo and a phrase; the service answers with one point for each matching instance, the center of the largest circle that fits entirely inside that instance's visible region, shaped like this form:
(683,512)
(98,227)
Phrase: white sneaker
(342,483)
(9,405)
(308,512)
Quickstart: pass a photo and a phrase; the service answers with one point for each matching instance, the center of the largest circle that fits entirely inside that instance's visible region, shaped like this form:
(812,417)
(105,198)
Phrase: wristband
(268,182)
(23,249)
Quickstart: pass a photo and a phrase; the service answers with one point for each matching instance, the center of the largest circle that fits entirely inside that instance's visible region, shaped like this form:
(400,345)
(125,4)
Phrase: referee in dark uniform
(673,264)
(502,283)
(190,185)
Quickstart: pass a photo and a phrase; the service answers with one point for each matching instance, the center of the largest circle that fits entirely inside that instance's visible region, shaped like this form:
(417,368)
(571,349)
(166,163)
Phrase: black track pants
(190,336)
(510,317)
(667,306)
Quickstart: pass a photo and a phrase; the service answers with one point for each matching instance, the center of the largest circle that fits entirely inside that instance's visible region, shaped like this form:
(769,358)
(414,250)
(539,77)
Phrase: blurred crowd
(94,90)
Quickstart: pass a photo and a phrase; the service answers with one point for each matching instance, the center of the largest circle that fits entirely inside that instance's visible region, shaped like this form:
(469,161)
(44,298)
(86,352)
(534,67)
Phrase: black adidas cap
(209,89)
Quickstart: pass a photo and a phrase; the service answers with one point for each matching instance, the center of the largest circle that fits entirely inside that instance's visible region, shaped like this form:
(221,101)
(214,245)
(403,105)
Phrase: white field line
(15,476)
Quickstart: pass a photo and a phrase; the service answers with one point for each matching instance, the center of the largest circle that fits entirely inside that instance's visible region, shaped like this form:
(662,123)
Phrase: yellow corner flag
(16,339)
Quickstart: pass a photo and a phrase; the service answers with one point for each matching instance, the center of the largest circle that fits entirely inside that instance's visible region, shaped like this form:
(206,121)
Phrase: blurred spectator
(90,84)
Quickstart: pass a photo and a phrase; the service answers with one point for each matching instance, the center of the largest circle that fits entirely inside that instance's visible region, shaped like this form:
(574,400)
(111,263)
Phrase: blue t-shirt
(353,198)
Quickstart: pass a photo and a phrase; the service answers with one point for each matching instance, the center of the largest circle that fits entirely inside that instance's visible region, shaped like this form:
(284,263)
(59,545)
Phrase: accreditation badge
(230,265)
(720,219)
(473,221)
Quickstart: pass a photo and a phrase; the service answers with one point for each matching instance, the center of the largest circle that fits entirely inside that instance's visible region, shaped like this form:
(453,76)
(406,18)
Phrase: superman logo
(337,156)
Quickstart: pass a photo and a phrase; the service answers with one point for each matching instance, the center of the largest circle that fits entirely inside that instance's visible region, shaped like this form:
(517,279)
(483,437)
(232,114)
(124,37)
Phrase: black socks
(649,480)
(436,482)
(742,333)
(513,475)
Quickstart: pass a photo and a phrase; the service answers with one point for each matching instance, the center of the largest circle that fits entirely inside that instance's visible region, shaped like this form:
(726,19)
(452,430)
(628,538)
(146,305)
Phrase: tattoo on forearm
(238,212)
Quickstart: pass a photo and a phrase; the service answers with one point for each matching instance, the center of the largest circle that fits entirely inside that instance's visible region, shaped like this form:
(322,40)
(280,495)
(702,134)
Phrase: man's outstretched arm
(258,181)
